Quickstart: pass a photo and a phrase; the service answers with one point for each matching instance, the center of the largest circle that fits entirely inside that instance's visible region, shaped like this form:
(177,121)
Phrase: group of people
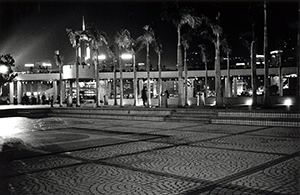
(144,95)
(32,100)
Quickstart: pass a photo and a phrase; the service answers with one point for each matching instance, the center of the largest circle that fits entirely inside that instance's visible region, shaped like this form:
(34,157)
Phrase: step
(108,116)
(256,114)
(279,122)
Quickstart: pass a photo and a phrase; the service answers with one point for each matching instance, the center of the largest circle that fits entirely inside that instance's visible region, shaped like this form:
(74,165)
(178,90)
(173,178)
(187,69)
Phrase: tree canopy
(7,61)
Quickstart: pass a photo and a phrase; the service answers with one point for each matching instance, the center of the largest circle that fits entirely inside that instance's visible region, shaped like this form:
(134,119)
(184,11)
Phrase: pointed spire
(83,24)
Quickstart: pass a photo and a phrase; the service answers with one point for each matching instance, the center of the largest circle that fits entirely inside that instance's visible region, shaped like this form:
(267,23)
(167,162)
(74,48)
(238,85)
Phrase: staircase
(112,113)
(259,118)
(192,115)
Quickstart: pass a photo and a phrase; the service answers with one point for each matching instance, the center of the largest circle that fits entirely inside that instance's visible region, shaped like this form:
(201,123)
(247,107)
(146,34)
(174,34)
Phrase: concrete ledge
(259,114)
(257,121)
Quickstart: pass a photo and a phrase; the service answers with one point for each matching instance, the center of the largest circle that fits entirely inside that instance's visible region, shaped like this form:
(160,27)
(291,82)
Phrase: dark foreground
(102,156)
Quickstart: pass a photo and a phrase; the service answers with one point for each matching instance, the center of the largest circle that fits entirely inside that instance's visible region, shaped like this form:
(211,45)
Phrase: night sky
(32,30)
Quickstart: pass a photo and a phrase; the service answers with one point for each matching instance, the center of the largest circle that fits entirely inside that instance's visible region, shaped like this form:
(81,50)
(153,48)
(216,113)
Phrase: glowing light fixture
(249,102)
(29,65)
(240,64)
(288,102)
(102,57)
(46,64)
(126,56)
(3,69)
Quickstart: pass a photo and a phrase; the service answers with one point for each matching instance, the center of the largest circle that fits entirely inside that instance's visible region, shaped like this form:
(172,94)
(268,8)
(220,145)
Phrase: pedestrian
(43,99)
(144,96)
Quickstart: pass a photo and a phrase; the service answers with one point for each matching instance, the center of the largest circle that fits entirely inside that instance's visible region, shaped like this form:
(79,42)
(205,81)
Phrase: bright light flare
(126,56)
(46,64)
(102,57)
(10,126)
(288,102)
(3,69)
(249,102)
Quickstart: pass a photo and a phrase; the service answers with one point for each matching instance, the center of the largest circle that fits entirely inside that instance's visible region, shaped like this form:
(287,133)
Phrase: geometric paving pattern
(92,156)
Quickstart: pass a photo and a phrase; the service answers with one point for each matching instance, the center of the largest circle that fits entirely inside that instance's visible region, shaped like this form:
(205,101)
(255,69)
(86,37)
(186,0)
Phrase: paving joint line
(230,178)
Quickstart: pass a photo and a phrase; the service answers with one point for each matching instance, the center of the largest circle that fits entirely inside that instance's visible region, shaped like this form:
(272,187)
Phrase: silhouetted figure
(144,96)
(43,99)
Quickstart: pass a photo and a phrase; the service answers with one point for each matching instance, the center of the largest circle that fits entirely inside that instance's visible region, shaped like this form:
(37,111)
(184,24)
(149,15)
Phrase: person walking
(144,96)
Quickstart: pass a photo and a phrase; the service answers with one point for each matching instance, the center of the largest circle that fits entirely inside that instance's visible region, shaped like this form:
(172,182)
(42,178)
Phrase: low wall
(228,101)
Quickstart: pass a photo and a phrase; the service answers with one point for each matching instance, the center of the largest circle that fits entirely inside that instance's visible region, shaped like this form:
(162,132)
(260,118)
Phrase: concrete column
(19,91)
(235,86)
(11,92)
(31,87)
(102,89)
(109,89)
(55,91)
(63,89)
(154,87)
(141,83)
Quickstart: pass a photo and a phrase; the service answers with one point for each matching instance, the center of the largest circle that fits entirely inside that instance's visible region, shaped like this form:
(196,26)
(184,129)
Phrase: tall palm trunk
(185,77)
(253,73)
(179,64)
(298,60)
(218,87)
(266,69)
(97,80)
(159,79)
(206,80)
(148,76)
(229,91)
(115,82)
(134,81)
(121,80)
(77,77)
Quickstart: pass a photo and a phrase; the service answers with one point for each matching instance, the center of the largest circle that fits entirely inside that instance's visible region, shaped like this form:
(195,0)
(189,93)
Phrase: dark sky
(32,30)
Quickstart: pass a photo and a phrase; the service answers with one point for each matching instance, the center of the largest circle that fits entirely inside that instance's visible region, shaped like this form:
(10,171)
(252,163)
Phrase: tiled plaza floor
(88,156)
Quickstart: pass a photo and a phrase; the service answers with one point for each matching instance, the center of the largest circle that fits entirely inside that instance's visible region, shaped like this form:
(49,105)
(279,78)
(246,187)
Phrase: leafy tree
(7,63)
(180,16)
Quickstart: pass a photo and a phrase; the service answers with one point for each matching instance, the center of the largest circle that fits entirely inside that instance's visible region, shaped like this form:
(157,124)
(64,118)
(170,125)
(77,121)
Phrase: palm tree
(252,49)
(204,57)
(132,48)
(180,16)
(227,50)
(186,39)
(75,38)
(158,51)
(146,39)
(215,37)
(111,52)
(98,38)
(266,68)
(123,41)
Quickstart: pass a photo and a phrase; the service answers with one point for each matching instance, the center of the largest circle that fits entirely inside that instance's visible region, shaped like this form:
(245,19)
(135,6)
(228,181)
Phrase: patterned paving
(85,156)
